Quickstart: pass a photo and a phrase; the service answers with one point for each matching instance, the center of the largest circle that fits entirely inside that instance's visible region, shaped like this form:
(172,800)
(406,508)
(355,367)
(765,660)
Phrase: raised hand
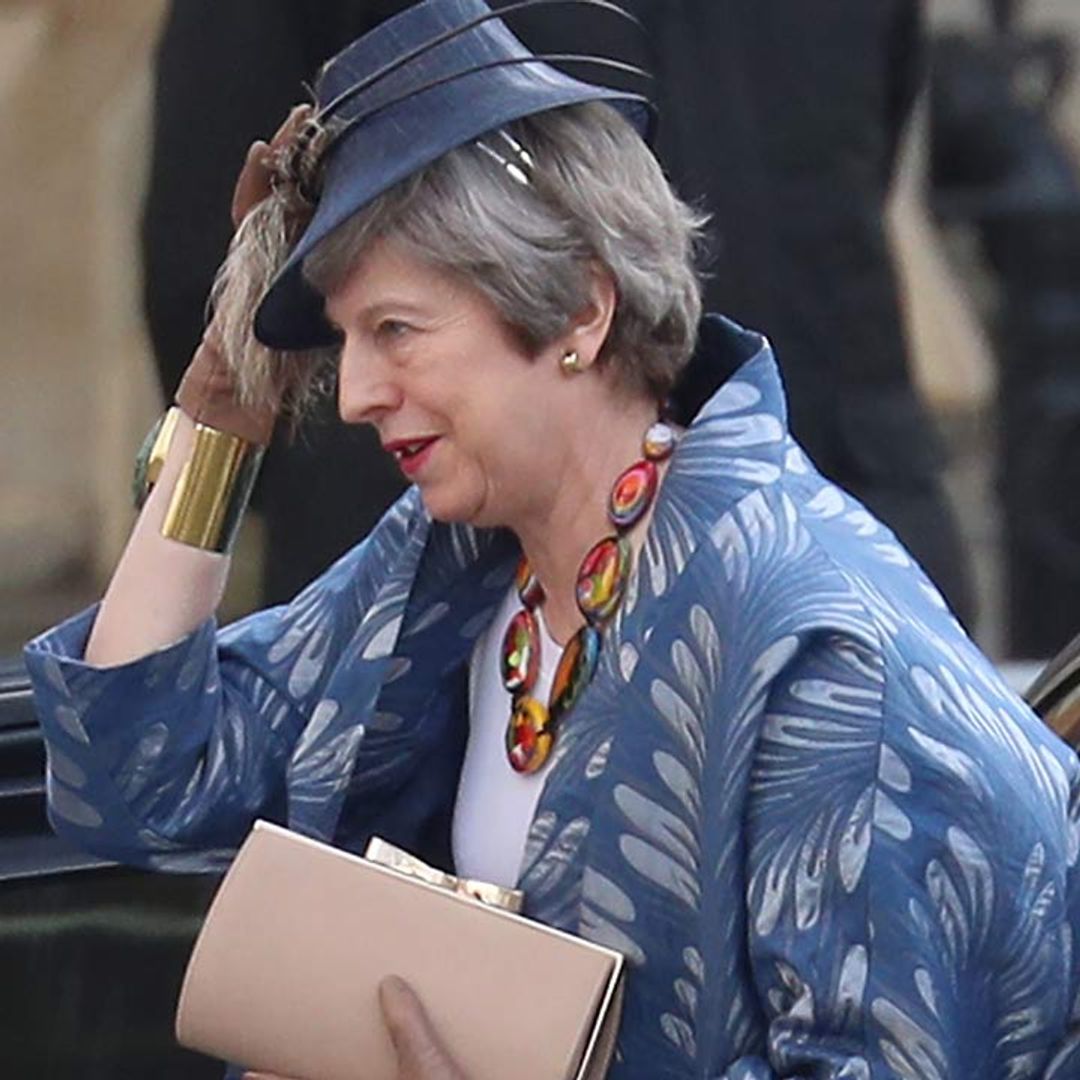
(256,179)
(220,387)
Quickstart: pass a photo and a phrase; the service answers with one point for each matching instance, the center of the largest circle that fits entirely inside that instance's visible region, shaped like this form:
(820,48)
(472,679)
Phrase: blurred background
(984,223)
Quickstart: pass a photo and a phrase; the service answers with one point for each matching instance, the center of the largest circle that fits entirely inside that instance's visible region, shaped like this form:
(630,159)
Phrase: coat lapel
(389,708)
(659,742)
(323,760)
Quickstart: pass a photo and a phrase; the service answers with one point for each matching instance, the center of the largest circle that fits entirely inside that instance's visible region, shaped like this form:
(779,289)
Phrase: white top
(495,805)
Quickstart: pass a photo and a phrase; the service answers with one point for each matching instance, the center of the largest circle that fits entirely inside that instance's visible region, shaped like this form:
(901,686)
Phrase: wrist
(212,489)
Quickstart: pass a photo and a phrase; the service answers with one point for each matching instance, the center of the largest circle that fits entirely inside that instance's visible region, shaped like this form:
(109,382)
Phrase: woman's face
(428,361)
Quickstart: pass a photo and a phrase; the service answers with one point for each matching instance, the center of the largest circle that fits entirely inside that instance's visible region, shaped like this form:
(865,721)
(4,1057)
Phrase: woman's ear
(589,328)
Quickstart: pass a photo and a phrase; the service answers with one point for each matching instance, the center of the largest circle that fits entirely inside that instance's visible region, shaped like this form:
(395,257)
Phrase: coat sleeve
(911,887)
(166,761)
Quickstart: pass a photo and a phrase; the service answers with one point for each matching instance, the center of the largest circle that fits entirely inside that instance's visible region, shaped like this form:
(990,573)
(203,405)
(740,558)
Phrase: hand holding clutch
(311,985)
(420,1053)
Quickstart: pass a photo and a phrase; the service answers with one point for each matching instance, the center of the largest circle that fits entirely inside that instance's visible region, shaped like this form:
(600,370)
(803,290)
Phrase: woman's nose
(366,387)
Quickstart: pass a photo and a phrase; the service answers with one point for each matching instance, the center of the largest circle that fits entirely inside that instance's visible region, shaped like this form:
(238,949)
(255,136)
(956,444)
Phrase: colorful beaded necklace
(601,583)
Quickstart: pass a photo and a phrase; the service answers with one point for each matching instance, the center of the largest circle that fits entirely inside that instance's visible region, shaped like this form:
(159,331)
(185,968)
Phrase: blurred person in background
(785,121)
(1004,168)
(782,120)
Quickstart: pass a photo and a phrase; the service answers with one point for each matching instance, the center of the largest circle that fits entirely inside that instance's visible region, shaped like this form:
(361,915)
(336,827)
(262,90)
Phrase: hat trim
(511,61)
(448,35)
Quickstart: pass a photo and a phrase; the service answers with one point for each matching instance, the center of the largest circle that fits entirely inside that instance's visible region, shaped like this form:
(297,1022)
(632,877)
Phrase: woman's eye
(392,328)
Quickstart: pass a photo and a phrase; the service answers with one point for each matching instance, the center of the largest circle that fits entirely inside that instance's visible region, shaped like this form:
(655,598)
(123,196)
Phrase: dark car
(93,953)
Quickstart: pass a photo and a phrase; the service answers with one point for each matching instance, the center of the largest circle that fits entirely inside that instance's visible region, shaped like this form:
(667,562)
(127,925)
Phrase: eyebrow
(372,311)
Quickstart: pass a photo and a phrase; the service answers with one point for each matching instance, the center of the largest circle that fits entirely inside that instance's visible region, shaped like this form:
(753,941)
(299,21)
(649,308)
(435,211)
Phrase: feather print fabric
(829,839)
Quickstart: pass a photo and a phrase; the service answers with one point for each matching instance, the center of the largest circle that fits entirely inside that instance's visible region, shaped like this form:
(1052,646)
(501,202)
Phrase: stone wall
(74,376)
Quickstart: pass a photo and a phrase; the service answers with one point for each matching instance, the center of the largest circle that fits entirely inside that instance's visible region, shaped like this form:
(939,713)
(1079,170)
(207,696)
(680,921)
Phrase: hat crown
(408,32)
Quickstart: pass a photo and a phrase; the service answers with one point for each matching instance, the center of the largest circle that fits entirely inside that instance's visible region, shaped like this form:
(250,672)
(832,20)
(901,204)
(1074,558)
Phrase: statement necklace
(601,583)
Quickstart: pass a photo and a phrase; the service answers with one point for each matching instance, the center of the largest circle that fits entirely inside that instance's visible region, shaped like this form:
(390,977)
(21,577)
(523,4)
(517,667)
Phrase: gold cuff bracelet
(212,491)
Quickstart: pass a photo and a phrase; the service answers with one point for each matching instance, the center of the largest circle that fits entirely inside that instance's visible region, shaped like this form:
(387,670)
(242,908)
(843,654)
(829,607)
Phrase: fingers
(254,182)
(421,1054)
(291,126)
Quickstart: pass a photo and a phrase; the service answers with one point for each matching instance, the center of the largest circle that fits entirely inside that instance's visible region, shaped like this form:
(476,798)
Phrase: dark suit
(781,117)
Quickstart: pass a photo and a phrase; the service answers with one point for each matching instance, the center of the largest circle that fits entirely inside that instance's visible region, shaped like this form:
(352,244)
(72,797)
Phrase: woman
(771,769)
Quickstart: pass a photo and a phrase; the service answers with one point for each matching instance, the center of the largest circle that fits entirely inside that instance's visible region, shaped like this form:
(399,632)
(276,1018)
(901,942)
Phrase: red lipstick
(411,454)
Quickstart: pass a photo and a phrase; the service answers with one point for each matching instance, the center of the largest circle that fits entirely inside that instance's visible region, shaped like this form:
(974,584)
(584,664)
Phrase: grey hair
(594,194)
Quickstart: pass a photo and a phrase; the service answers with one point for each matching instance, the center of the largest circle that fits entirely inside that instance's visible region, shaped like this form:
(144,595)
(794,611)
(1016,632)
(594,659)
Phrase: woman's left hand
(420,1053)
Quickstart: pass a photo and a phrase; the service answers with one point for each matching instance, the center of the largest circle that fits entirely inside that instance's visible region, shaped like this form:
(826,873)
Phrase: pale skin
(511,439)
(420,1052)
(520,443)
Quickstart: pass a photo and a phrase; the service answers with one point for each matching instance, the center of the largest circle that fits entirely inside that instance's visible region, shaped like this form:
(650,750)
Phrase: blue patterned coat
(831,842)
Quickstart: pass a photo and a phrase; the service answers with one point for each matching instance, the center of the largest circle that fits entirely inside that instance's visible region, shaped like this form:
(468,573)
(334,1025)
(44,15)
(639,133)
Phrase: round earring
(571,363)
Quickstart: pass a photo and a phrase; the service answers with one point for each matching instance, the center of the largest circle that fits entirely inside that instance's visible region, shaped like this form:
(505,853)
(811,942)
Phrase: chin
(449,510)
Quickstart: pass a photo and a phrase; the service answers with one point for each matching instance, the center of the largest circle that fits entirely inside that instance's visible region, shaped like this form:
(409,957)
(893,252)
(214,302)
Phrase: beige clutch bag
(284,975)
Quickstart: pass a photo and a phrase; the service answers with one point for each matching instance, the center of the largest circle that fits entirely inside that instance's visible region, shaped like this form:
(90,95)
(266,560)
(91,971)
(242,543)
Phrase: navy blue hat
(436,76)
